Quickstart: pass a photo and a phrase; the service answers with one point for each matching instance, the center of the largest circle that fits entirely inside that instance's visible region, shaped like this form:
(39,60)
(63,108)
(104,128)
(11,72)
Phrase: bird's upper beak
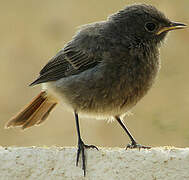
(172,26)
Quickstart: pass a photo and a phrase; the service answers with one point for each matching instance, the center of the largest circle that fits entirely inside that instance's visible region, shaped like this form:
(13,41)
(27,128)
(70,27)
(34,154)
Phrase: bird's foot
(81,150)
(134,145)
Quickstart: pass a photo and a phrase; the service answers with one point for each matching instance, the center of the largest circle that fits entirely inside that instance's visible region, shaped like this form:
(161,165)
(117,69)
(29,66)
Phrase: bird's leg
(81,146)
(133,144)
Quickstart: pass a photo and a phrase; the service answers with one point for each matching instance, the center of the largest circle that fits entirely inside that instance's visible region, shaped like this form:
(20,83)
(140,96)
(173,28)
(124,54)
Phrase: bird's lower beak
(173,26)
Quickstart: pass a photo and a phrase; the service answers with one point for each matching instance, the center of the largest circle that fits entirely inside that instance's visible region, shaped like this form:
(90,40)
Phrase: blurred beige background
(31,32)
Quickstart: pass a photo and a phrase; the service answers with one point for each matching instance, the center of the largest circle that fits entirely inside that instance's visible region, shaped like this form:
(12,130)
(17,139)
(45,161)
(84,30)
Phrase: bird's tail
(34,113)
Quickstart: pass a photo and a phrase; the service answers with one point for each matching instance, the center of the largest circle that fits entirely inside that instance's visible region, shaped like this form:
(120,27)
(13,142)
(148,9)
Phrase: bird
(102,72)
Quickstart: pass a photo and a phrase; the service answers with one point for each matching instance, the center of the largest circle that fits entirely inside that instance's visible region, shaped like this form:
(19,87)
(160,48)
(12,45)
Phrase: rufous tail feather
(34,113)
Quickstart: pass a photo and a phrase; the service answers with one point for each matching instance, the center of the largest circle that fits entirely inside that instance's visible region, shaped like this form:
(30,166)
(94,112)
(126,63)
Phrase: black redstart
(103,71)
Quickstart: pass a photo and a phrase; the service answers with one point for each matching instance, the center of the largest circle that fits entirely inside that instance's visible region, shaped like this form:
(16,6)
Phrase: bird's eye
(150,26)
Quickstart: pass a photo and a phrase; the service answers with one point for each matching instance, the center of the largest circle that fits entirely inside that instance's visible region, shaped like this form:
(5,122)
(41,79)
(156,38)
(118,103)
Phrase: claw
(90,146)
(81,150)
(134,145)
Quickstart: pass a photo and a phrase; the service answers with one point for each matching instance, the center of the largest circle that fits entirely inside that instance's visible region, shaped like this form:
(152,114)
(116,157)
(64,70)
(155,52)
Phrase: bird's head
(144,23)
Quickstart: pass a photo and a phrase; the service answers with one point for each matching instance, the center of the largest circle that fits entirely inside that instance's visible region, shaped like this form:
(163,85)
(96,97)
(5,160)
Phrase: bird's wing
(78,55)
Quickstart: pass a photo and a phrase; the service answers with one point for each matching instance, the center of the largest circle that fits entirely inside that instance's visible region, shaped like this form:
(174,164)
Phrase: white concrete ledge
(37,163)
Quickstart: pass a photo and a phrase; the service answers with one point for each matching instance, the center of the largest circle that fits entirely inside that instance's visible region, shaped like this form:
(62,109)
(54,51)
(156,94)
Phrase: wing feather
(74,58)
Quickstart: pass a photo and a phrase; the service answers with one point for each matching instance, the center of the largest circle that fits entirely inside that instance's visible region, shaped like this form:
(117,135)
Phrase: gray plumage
(108,66)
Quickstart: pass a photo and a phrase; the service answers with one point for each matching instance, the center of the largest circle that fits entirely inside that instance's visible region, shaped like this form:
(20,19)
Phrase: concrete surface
(41,163)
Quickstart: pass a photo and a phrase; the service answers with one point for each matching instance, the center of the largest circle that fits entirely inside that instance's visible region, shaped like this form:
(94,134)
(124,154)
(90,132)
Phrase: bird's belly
(102,101)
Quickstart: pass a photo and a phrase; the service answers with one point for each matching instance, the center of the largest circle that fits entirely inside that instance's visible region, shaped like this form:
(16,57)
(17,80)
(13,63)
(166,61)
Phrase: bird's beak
(172,26)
